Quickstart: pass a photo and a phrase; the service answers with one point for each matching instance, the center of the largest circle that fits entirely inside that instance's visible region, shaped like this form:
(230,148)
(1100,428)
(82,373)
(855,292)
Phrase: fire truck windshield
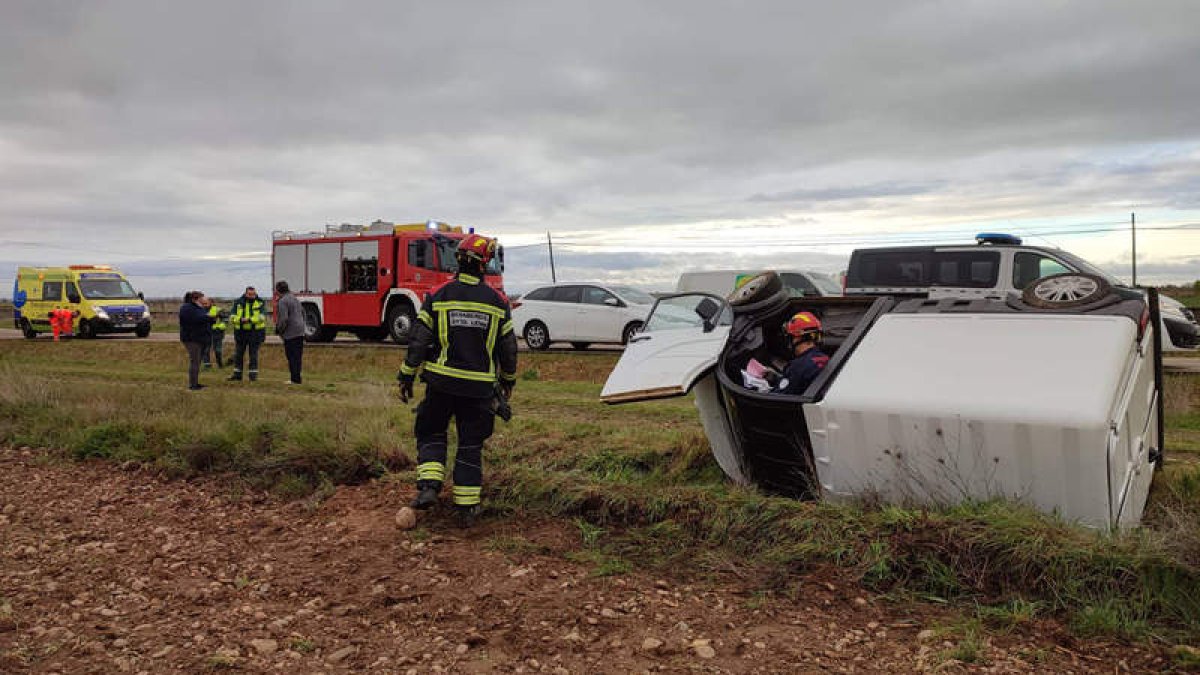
(447,263)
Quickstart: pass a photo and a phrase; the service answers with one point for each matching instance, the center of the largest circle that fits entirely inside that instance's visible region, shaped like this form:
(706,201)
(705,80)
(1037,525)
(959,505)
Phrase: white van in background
(723,282)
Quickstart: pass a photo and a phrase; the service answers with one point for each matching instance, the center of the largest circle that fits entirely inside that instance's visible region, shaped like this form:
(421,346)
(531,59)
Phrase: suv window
(566,294)
(899,268)
(1029,267)
(52,290)
(596,296)
(544,293)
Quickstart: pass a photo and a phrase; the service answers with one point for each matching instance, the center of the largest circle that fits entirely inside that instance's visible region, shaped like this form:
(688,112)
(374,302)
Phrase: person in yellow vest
(249,320)
(218,316)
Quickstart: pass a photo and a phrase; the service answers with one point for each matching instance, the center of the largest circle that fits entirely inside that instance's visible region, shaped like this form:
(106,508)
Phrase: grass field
(637,480)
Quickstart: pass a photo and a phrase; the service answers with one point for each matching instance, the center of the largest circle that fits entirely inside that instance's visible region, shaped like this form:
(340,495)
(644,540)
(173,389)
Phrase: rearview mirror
(708,309)
(612,302)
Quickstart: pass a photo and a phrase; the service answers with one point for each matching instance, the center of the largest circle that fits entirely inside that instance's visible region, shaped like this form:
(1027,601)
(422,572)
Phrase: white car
(580,313)
(923,401)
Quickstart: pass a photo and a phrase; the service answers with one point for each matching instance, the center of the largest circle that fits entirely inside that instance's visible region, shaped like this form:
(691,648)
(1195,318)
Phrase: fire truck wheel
(399,322)
(313,330)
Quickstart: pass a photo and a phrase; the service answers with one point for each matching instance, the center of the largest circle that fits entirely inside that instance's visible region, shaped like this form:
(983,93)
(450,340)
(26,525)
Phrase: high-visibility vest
(248,314)
(218,322)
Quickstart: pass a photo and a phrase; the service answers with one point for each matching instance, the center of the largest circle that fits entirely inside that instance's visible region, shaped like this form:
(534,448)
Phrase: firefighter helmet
(477,248)
(803,325)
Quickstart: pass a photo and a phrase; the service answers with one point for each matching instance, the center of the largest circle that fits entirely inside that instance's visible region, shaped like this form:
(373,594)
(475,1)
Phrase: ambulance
(100,297)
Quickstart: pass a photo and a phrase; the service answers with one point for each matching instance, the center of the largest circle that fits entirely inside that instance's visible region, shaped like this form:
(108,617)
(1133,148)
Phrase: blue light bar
(997,239)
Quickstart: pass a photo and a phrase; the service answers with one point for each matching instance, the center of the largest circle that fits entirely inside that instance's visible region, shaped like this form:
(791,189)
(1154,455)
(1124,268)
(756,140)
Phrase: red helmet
(477,247)
(803,324)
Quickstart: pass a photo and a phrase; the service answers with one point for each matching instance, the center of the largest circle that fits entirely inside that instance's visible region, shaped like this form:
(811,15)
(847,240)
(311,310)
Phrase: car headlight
(101,314)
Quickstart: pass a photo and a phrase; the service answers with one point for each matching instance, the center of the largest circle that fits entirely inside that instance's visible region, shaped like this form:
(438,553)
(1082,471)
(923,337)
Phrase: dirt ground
(107,570)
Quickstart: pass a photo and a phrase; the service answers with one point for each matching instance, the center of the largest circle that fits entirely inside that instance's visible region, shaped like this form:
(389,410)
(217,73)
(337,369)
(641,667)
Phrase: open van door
(680,342)
(677,352)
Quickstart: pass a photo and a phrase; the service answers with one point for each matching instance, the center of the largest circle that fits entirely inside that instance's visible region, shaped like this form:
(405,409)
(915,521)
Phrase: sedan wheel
(536,335)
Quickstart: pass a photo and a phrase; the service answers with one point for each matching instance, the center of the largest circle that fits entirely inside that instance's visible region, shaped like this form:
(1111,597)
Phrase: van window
(899,268)
(974,269)
(72,293)
(544,293)
(596,296)
(1029,267)
(52,290)
(566,294)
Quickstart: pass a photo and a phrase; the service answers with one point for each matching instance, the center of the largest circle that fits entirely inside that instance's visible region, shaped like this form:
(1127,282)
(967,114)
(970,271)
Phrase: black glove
(406,388)
(506,388)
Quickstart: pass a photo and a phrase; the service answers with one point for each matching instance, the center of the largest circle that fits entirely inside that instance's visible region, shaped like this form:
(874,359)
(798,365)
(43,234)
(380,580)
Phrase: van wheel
(86,330)
(536,335)
(1069,289)
(314,330)
(757,288)
(27,330)
(142,331)
(400,322)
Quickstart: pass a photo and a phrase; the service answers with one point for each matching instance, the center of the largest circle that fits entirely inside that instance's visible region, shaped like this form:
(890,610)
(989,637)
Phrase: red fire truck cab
(369,280)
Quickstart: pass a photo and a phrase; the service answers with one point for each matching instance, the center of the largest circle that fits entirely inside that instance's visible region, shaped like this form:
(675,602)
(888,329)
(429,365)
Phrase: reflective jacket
(248,314)
(464,337)
(218,322)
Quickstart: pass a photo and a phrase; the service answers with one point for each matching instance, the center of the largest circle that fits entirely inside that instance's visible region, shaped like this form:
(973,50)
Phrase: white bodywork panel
(663,363)
(289,265)
(1056,411)
(716,428)
(325,267)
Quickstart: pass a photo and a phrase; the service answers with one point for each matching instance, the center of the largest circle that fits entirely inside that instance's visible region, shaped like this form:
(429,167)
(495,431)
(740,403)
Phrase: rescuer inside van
(463,336)
(249,331)
(804,331)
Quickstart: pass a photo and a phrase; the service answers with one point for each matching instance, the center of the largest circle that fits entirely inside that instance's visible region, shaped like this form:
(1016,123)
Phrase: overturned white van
(923,402)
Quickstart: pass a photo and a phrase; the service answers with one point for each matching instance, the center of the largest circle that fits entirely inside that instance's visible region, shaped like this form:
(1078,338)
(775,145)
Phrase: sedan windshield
(106,289)
(633,295)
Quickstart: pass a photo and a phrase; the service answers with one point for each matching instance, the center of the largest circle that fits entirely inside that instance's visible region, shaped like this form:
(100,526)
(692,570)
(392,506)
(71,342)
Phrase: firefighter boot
(465,516)
(236,376)
(427,494)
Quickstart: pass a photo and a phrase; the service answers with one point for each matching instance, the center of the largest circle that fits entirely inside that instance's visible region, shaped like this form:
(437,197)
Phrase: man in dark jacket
(289,325)
(249,320)
(195,334)
(464,338)
(804,330)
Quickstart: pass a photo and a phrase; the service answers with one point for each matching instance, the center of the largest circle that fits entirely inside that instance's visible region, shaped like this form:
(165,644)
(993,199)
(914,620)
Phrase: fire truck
(369,280)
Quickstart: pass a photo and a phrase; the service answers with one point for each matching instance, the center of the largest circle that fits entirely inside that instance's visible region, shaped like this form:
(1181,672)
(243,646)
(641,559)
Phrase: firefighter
(463,336)
(249,331)
(804,331)
(218,317)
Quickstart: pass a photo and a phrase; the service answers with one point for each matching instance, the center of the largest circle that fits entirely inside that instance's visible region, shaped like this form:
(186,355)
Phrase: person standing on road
(195,334)
(289,325)
(249,331)
(463,336)
(216,349)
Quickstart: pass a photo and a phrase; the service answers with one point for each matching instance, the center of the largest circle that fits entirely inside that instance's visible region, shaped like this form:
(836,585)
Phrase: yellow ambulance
(101,298)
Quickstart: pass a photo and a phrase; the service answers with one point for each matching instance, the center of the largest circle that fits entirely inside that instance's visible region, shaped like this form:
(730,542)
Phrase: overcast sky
(172,138)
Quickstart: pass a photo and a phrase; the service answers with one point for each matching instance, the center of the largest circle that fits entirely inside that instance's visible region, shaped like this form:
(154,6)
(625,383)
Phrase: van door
(680,342)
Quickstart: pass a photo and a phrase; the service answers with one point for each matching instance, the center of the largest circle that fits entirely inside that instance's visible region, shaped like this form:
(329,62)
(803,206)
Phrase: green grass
(637,482)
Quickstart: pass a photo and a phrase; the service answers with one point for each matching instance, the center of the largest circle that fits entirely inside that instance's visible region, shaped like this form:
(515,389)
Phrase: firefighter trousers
(474,422)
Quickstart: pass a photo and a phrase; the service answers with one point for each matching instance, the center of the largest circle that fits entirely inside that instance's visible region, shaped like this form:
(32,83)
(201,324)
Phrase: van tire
(400,319)
(142,332)
(27,329)
(1062,291)
(86,331)
(756,289)
(768,304)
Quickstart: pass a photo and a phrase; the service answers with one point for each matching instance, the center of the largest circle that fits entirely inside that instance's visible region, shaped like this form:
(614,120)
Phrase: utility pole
(550,245)
(1133,233)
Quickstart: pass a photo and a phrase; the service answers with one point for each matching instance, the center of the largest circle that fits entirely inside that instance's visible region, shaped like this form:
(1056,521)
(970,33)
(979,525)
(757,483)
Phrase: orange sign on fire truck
(368,279)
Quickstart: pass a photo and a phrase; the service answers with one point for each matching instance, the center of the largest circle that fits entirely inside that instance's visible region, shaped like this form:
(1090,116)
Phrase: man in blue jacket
(195,332)
(804,329)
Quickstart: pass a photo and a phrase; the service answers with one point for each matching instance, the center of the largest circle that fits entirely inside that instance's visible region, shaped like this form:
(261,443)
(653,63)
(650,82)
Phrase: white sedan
(580,313)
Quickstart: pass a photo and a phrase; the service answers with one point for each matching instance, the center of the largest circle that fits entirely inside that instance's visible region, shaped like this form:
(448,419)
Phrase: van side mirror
(141,296)
(708,309)
(612,302)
